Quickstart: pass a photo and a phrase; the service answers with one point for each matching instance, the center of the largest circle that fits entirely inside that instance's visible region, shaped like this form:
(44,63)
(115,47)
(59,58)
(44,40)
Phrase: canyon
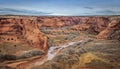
(28,39)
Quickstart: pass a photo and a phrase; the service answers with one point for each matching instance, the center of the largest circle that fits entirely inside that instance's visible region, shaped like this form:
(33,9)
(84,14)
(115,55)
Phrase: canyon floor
(67,49)
(91,53)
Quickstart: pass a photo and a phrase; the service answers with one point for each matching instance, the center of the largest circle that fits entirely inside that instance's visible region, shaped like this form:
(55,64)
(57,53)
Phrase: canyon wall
(26,28)
(112,31)
(106,27)
(22,30)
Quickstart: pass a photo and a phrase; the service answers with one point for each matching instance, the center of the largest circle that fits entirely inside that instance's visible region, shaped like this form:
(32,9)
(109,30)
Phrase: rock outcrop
(26,29)
(58,21)
(92,24)
(100,25)
(111,32)
(104,27)
(22,30)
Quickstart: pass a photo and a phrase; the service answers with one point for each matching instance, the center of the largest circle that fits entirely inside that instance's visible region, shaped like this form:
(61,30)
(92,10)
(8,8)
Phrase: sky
(60,7)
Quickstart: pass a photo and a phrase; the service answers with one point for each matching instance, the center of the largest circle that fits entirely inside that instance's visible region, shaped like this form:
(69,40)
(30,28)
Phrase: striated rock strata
(26,29)
(106,27)
(22,30)
(111,32)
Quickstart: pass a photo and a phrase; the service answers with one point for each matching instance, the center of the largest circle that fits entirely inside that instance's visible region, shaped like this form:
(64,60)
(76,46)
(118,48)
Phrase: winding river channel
(50,55)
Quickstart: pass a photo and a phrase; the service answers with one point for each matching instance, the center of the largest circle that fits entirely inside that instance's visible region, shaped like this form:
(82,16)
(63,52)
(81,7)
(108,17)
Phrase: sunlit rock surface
(22,30)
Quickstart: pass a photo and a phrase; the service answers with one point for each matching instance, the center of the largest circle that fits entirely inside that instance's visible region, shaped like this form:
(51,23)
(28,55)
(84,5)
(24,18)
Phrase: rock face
(26,29)
(106,27)
(22,30)
(111,32)
(58,21)
(92,24)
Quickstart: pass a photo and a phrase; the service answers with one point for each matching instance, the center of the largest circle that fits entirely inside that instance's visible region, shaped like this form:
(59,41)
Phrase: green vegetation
(93,54)
(16,51)
(90,54)
(31,54)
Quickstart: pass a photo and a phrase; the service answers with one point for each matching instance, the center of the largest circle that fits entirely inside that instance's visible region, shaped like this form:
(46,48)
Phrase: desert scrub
(94,54)
(31,54)
(11,47)
(89,60)
(100,65)
(80,51)
(66,59)
(70,37)
(7,57)
(69,51)
(58,40)
(6,67)
(50,42)
(49,65)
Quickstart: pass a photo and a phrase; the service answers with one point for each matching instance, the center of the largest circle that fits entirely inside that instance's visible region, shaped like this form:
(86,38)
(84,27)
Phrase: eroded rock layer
(26,29)
(22,30)
(112,31)
(18,31)
(106,27)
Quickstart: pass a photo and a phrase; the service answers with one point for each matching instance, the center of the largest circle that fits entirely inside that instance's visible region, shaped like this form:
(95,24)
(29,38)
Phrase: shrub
(69,37)
(6,67)
(4,57)
(49,65)
(31,54)
(69,51)
(9,57)
(65,58)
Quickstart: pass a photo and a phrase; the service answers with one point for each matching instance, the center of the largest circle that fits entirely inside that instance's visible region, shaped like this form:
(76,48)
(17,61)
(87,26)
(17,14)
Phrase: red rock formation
(22,30)
(92,24)
(111,32)
(58,21)
(18,29)
(26,29)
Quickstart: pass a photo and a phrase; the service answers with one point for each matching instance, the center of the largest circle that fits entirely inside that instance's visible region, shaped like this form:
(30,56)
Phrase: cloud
(22,12)
(105,11)
(89,8)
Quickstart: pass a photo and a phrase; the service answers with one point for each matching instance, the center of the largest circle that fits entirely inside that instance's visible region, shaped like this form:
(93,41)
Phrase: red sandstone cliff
(22,30)
(99,25)
(92,24)
(26,29)
(112,31)
(58,21)
(104,27)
